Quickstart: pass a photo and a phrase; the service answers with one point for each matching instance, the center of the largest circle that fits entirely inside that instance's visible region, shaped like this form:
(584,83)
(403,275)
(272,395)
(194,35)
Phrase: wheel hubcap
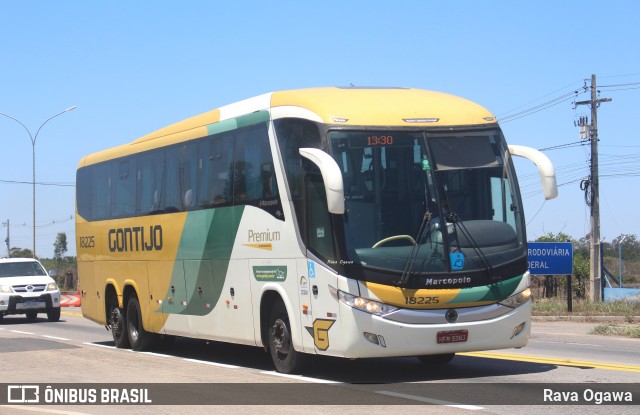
(116,322)
(281,337)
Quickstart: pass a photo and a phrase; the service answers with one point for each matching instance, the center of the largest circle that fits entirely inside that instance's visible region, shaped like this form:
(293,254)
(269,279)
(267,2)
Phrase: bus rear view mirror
(545,168)
(331,175)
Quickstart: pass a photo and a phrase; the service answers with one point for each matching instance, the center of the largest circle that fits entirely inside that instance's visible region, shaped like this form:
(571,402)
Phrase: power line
(45,225)
(574,144)
(540,107)
(616,85)
(39,183)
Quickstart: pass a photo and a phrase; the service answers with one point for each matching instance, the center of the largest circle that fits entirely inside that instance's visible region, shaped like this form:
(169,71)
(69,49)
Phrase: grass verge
(630,312)
(616,330)
(558,307)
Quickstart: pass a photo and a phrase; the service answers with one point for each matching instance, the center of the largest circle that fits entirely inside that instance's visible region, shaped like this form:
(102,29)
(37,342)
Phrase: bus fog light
(383,343)
(518,329)
(373,338)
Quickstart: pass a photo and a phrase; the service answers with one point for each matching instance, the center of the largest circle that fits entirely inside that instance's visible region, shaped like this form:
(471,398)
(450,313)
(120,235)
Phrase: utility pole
(592,187)
(8,241)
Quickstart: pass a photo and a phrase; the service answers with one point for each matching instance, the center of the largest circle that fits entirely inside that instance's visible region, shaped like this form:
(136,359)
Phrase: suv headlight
(360,303)
(52,287)
(5,289)
(517,300)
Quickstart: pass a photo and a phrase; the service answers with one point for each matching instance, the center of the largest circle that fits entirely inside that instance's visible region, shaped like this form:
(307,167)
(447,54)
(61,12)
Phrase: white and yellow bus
(350,222)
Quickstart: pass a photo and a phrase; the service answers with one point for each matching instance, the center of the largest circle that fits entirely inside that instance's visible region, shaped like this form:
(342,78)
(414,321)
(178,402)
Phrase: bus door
(319,307)
(323,308)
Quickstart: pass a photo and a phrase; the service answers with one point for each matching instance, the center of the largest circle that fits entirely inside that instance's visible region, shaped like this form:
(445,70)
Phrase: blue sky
(134,67)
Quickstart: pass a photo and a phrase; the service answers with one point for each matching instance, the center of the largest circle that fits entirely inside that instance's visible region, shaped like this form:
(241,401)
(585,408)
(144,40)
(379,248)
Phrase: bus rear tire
(436,359)
(139,338)
(119,328)
(285,358)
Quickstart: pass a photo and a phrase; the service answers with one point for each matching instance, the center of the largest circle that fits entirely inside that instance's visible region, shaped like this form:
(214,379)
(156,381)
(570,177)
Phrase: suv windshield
(420,202)
(20,269)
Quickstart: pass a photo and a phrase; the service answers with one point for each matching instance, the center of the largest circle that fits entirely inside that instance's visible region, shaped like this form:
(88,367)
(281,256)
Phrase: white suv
(26,288)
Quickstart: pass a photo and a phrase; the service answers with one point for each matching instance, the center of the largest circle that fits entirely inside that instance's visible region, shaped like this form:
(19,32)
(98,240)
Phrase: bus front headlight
(517,300)
(363,304)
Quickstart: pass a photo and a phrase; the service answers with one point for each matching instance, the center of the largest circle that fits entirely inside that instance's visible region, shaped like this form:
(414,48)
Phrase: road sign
(550,258)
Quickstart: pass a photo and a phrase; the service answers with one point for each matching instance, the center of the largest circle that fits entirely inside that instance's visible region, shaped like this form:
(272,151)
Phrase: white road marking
(55,338)
(204,362)
(298,377)
(432,401)
(21,332)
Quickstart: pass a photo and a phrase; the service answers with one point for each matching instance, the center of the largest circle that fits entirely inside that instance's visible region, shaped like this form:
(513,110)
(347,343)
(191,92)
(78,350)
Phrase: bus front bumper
(380,337)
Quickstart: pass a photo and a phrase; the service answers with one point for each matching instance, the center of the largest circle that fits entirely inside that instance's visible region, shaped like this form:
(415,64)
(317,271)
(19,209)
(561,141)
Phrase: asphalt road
(81,354)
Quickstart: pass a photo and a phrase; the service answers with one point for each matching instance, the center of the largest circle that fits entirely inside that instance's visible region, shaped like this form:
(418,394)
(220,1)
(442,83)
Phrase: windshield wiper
(406,272)
(454,219)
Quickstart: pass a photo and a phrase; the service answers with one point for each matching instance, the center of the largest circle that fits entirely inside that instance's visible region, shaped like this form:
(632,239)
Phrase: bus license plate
(456,336)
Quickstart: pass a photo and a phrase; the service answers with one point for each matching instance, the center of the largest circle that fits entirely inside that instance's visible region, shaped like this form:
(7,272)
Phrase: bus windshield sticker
(312,269)
(457,261)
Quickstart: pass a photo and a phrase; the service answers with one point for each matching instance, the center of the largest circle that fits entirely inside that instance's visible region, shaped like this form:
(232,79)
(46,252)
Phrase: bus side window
(319,229)
(170,200)
(148,183)
(215,187)
(254,181)
(188,172)
(101,199)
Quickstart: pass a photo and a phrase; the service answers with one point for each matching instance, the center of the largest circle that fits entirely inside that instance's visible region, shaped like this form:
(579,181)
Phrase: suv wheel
(54,314)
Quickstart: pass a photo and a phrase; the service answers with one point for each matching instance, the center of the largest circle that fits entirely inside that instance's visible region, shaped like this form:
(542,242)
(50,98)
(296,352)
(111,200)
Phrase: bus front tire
(139,338)
(285,358)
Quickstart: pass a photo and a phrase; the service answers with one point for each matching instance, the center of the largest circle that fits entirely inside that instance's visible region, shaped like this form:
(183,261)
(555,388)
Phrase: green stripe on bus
(492,292)
(238,122)
(202,260)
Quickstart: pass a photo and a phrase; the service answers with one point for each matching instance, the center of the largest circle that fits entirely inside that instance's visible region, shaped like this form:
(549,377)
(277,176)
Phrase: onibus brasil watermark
(35,394)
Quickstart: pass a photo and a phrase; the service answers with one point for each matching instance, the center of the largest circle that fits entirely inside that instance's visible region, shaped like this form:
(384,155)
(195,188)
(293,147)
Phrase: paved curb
(580,319)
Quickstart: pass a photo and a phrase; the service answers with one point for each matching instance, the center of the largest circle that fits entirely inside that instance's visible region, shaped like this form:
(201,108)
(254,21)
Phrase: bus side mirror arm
(331,175)
(545,168)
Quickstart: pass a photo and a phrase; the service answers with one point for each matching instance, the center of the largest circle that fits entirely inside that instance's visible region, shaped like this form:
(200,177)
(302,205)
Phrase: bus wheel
(285,358)
(436,359)
(139,338)
(118,328)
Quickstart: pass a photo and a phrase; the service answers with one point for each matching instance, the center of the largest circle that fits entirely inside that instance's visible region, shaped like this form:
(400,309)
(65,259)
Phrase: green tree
(581,272)
(630,246)
(59,249)
(20,253)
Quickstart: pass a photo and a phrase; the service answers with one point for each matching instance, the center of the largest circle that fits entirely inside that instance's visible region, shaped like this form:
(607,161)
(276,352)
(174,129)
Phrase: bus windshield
(424,202)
